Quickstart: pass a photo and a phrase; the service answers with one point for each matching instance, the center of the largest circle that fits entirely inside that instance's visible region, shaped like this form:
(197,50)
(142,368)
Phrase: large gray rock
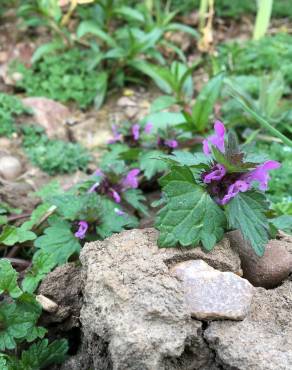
(263,341)
(222,257)
(134,315)
(211,294)
(269,270)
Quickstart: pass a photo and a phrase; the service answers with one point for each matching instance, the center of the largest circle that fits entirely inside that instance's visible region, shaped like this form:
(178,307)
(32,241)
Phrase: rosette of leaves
(51,155)
(62,77)
(207,195)
(19,313)
(269,54)
(151,139)
(57,242)
(10,108)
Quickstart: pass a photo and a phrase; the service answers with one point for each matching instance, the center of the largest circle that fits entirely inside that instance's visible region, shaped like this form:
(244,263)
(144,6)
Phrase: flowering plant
(145,137)
(115,188)
(141,145)
(215,191)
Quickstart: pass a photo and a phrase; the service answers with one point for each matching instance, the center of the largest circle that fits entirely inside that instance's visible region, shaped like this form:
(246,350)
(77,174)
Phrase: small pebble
(46,303)
(10,167)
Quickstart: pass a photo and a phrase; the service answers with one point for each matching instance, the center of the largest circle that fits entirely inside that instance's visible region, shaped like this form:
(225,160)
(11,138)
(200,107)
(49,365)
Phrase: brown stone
(49,114)
(267,271)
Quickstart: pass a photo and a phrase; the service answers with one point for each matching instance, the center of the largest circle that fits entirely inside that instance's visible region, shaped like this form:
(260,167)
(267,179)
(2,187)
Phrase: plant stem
(19,262)
(203,13)
(264,123)
(263,18)
(19,217)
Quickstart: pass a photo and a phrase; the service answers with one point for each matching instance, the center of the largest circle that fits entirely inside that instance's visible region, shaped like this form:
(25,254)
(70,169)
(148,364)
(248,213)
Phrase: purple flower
(136,132)
(217,139)
(119,212)
(131,180)
(217,173)
(260,174)
(93,187)
(148,128)
(99,173)
(117,135)
(171,143)
(116,196)
(233,190)
(80,233)
(224,186)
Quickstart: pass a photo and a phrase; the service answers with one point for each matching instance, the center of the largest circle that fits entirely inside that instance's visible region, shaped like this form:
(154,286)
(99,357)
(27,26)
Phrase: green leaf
(5,362)
(42,264)
(182,79)
(77,207)
(175,48)
(189,159)
(161,76)
(6,208)
(283,222)
(90,27)
(135,198)
(38,214)
(110,222)
(50,189)
(190,215)
(112,158)
(151,163)
(58,240)
(8,279)
(11,234)
(130,13)
(232,165)
(246,212)
(164,119)
(102,83)
(183,28)
(249,108)
(18,320)
(46,49)
(162,102)
(205,102)
(3,220)
(131,154)
(42,354)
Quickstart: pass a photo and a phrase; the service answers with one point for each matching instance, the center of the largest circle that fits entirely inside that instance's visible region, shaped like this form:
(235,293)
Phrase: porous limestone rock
(263,340)
(211,294)
(134,315)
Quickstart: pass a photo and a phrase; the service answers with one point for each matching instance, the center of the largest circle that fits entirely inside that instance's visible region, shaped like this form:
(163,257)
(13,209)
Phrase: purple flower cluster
(224,186)
(169,143)
(130,181)
(134,134)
